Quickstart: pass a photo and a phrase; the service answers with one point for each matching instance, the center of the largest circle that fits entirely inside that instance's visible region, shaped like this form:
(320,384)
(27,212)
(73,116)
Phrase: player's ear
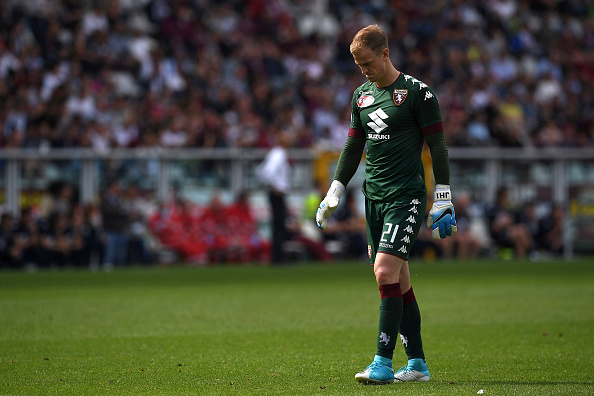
(385,54)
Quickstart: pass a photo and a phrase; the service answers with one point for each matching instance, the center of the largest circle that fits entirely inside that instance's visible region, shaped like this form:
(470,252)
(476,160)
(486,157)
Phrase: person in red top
(244,231)
(177,226)
(217,233)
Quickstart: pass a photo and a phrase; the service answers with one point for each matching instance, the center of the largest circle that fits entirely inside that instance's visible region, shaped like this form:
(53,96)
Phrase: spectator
(7,242)
(27,237)
(58,198)
(348,226)
(243,229)
(528,217)
(478,133)
(307,239)
(94,19)
(466,244)
(505,231)
(309,246)
(549,236)
(224,244)
(84,239)
(308,225)
(138,240)
(274,174)
(115,222)
(177,227)
(94,221)
(56,241)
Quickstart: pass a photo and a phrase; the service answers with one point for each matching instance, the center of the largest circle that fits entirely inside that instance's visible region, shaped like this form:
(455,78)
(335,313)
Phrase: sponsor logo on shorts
(386,245)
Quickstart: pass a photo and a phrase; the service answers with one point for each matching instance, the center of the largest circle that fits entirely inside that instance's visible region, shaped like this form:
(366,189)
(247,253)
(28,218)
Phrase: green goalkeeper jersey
(394,121)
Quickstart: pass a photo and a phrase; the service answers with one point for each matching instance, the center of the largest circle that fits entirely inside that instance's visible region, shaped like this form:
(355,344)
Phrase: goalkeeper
(394,114)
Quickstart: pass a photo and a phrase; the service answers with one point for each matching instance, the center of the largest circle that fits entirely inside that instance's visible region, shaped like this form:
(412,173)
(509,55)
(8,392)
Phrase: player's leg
(387,274)
(383,224)
(387,270)
(404,278)
(410,333)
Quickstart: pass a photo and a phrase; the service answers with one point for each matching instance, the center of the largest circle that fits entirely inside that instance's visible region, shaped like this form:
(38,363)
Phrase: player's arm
(439,157)
(347,165)
(349,159)
(442,218)
(348,162)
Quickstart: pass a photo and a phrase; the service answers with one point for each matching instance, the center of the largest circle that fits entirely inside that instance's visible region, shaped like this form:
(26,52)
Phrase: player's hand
(329,204)
(442,218)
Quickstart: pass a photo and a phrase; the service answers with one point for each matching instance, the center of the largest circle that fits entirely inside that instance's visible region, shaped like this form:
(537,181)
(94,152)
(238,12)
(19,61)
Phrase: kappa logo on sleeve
(399,96)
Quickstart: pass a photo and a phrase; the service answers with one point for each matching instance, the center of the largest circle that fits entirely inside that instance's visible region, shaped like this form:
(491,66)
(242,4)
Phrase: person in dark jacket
(115,227)
(7,239)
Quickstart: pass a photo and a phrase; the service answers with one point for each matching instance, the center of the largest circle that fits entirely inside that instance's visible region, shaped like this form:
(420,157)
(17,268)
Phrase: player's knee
(385,275)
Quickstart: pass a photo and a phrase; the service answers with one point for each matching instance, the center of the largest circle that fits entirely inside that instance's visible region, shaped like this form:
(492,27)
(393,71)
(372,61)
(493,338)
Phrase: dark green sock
(410,327)
(389,319)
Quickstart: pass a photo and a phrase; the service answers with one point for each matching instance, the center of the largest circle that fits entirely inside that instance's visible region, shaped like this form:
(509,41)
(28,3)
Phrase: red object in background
(212,234)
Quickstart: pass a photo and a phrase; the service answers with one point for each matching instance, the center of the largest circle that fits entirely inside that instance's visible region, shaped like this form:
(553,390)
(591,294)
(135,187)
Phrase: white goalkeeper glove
(329,204)
(442,218)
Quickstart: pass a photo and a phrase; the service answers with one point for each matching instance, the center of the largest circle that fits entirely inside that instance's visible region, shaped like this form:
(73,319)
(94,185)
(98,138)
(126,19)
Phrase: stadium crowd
(128,228)
(202,73)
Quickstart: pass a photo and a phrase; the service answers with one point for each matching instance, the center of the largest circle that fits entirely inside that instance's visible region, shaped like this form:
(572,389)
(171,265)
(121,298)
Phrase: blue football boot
(415,371)
(378,372)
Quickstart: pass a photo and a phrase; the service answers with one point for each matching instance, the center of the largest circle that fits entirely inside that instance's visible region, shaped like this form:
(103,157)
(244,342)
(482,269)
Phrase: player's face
(372,66)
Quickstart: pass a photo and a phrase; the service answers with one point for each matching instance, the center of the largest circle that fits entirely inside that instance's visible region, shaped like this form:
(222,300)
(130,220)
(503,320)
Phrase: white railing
(492,165)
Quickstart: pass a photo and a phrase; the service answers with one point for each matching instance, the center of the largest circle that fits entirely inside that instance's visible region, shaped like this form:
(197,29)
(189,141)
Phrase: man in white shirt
(275,173)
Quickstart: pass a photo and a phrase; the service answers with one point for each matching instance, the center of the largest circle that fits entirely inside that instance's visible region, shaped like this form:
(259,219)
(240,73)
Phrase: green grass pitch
(508,328)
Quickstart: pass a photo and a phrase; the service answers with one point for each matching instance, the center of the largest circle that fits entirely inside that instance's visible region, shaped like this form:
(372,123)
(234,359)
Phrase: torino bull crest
(399,96)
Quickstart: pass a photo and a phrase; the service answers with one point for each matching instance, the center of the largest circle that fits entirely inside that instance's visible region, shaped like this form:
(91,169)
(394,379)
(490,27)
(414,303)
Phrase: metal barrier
(479,170)
(89,181)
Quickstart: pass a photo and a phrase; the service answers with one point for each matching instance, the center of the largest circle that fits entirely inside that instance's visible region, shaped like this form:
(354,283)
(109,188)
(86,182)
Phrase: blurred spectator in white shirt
(95,19)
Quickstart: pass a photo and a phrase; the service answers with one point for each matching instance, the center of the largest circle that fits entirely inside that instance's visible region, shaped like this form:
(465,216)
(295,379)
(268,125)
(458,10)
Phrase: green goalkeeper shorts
(392,227)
